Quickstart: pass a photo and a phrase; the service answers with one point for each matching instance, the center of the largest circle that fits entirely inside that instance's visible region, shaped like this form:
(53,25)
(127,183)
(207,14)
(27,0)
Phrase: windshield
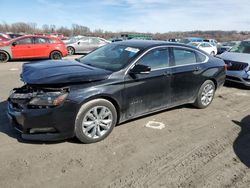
(242,47)
(111,57)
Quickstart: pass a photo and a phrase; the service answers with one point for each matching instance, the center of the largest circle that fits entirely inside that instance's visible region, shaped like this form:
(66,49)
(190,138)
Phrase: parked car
(116,39)
(226,46)
(190,39)
(238,62)
(205,46)
(30,47)
(2,39)
(85,44)
(212,41)
(113,84)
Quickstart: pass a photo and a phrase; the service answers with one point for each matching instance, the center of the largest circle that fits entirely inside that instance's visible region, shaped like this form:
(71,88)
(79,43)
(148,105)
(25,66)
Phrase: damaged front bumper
(42,123)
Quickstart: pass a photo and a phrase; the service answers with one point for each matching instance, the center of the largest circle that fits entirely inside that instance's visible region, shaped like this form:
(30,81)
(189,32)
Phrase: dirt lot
(197,148)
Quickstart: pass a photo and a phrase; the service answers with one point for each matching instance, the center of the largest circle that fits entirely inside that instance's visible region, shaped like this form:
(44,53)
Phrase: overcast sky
(132,15)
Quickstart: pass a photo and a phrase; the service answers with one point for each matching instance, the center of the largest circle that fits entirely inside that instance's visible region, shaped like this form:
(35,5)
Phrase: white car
(205,46)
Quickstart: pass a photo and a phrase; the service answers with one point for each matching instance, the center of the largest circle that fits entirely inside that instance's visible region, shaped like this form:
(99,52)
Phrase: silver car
(238,63)
(85,44)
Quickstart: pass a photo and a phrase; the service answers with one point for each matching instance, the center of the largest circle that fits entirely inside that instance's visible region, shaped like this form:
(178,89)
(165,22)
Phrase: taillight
(225,67)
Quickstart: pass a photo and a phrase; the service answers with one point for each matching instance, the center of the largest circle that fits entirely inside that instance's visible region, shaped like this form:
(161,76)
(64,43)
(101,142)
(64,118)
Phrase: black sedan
(86,98)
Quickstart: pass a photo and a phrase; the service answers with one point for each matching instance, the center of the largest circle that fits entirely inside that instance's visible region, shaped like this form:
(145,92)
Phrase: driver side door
(147,92)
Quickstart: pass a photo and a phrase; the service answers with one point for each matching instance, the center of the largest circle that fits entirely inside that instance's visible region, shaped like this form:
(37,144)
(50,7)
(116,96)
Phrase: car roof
(144,44)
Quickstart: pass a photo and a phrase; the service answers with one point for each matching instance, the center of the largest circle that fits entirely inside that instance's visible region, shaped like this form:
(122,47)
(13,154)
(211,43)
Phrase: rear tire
(95,121)
(4,57)
(71,50)
(205,95)
(55,55)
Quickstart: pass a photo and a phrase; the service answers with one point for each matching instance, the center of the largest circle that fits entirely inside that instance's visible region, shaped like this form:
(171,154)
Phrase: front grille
(236,66)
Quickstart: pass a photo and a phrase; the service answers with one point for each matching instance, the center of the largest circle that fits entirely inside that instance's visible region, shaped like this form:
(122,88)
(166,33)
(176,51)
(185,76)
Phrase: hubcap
(207,94)
(56,56)
(70,51)
(97,122)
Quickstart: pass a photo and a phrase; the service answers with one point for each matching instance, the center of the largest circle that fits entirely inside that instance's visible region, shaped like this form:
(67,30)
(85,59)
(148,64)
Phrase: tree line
(76,29)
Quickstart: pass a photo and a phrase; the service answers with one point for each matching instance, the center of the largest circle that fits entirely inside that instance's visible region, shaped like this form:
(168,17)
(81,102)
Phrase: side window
(184,56)
(84,40)
(157,58)
(94,41)
(41,40)
(24,41)
(200,57)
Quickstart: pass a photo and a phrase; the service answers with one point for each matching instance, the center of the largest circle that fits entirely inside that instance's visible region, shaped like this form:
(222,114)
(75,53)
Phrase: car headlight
(48,99)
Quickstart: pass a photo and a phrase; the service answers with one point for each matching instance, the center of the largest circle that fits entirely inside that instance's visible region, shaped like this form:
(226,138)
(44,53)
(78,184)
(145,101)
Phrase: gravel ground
(197,148)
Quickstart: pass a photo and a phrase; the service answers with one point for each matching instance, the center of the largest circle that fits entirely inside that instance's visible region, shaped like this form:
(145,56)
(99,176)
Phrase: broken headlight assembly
(48,99)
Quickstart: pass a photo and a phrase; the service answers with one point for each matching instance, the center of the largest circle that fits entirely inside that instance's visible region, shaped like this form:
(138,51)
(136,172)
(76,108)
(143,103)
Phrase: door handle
(167,73)
(197,68)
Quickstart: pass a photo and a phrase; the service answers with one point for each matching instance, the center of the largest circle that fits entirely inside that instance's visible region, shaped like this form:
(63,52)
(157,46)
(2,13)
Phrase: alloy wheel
(207,94)
(97,122)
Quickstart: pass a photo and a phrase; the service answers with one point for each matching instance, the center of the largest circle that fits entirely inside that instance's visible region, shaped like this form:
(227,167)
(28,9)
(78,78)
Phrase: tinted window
(24,41)
(41,40)
(155,59)
(200,57)
(184,56)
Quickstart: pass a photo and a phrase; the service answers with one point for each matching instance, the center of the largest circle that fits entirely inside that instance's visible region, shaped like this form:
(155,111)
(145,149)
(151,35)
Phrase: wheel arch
(215,82)
(6,53)
(108,98)
(55,51)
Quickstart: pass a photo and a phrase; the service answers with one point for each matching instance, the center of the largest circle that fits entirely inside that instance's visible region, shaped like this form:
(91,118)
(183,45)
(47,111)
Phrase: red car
(30,47)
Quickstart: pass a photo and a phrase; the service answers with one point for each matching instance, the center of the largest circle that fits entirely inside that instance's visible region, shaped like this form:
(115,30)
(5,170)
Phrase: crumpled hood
(61,72)
(238,57)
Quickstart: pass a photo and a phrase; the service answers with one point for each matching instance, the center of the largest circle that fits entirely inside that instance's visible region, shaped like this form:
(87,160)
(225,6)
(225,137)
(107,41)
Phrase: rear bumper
(241,77)
(43,124)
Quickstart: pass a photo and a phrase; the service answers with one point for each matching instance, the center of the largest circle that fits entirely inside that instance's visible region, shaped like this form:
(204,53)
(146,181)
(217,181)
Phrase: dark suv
(120,81)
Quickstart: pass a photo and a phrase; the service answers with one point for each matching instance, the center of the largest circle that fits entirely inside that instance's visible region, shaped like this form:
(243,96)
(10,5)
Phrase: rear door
(187,77)
(149,92)
(41,47)
(22,48)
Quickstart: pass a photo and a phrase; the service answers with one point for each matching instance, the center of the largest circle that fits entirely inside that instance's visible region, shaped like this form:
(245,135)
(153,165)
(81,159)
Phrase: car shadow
(241,145)
(6,128)
(235,85)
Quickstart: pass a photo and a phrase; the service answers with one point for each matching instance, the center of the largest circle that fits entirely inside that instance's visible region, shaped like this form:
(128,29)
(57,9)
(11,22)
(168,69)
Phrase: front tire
(56,55)
(205,95)
(212,53)
(95,121)
(4,57)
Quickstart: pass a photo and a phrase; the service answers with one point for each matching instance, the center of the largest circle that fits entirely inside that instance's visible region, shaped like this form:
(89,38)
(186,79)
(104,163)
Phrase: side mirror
(140,69)
(14,43)
(78,43)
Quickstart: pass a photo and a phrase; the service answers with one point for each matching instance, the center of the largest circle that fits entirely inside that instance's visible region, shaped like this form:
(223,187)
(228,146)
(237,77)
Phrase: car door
(82,46)
(187,77)
(41,47)
(148,92)
(22,48)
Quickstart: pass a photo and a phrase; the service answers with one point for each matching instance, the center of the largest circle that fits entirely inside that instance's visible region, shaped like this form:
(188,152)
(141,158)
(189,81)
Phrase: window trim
(171,66)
